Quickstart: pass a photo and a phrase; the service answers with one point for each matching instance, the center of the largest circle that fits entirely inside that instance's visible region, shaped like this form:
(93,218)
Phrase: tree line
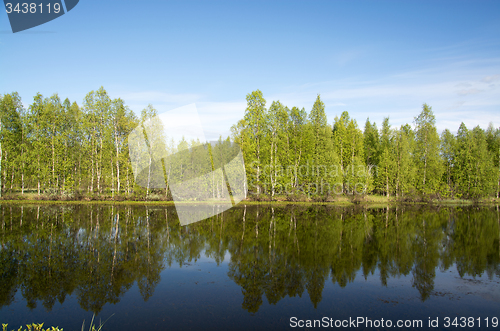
(60,147)
(288,151)
(55,146)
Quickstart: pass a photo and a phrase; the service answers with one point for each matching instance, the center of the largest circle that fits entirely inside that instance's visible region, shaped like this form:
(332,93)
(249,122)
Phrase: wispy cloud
(159,99)
(457,92)
(400,96)
(456,105)
(489,79)
(469,91)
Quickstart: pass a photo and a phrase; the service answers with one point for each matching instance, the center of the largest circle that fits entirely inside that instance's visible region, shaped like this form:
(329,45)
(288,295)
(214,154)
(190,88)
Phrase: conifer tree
(386,169)
(298,142)
(475,175)
(448,150)
(341,145)
(371,143)
(278,128)
(493,141)
(323,156)
(403,161)
(356,177)
(463,163)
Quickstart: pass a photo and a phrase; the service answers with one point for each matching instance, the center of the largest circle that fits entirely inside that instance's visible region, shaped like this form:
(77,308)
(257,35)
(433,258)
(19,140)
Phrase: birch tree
(428,161)
(255,117)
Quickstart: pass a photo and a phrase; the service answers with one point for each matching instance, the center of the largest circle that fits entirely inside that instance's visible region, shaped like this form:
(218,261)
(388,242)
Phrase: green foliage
(493,141)
(93,327)
(59,149)
(33,327)
(474,174)
(371,143)
(324,159)
(386,167)
(404,166)
(64,148)
(448,151)
(255,121)
(428,161)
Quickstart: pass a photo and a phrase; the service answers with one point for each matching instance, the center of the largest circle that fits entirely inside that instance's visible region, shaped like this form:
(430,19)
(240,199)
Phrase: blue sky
(370,58)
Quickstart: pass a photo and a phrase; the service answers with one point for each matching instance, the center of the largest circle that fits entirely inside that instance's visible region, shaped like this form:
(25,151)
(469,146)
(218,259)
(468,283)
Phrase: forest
(61,150)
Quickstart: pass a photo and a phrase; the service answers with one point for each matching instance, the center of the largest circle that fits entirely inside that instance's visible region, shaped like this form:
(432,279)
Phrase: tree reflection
(97,253)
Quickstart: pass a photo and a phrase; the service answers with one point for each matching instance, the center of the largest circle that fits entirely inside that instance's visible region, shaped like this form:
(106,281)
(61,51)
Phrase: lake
(255,267)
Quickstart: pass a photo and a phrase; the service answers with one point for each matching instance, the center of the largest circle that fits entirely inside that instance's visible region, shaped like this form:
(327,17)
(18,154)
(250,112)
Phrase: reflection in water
(97,253)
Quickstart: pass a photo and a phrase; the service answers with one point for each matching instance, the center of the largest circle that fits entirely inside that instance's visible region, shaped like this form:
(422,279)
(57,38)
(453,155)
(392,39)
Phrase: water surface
(251,267)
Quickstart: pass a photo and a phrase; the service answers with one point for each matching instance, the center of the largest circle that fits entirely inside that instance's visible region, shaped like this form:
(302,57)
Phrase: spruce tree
(387,165)
(323,156)
(493,141)
(448,150)
(405,169)
(371,143)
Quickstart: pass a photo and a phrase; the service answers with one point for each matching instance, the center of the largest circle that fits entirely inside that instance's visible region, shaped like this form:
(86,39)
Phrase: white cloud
(161,97)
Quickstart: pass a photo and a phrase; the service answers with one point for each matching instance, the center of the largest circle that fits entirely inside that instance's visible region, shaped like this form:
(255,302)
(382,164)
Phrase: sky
(374,59)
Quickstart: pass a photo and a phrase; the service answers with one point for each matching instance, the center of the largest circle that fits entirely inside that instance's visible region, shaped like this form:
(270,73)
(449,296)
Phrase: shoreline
(343,201)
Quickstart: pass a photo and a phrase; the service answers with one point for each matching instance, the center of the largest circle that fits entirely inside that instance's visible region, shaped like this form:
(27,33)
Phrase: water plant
(92,327)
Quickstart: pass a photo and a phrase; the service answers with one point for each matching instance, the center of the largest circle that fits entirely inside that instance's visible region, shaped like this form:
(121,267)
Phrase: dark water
(250,268)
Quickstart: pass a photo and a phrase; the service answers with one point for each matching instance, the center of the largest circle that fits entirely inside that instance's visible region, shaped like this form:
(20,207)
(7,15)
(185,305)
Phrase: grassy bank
(341,200)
